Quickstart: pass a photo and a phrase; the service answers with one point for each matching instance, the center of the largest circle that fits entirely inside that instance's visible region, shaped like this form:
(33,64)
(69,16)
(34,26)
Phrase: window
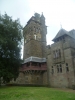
(66,64)
(35,36)
(54,55)
(52,70)
(63,39)
(59,68)
(34,28)
(67,68)
(57,53)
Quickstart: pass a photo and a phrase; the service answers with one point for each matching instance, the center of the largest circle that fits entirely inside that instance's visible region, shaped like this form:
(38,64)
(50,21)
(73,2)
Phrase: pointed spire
(42,15)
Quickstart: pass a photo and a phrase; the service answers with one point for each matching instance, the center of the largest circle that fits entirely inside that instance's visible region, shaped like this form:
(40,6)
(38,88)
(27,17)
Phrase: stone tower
(35,37)
(34,70)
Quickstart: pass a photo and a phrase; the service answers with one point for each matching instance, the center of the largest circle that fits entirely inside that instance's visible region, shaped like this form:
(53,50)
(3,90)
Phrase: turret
(42,19)
(37,17)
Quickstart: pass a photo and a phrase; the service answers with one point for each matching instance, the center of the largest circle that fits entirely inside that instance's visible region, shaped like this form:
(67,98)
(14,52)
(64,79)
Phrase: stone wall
(33,48)
(32,79)
(61,72)
(45,78)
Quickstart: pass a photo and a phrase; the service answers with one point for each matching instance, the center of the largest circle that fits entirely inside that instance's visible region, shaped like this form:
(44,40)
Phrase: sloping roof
(60,33)
(64,32)
(72,33)
(35,59)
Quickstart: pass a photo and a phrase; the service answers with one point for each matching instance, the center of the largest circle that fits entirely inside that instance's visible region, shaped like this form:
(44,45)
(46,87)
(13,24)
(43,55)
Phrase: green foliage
(10,47)
(35,93)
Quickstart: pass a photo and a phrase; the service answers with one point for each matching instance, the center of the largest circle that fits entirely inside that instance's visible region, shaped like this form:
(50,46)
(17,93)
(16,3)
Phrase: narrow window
(54,54)
(66,64)
(35,36)
(67,68)
(57,69)
(59,53)
(52,70)
(34,29)
(63,39)
(60,68)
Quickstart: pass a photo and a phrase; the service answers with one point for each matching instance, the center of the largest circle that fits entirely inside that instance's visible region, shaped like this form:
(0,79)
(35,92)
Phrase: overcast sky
(56,12)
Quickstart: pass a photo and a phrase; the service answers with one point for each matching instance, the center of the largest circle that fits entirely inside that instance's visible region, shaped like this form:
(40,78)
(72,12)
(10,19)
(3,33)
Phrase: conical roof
(60,33)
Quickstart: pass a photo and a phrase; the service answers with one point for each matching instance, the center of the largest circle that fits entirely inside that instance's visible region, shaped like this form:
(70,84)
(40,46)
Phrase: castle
(52,65)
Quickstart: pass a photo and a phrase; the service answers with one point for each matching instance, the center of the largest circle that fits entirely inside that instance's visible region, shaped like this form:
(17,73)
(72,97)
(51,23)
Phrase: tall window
(67,68)
(59,68)
(39,30)
(54,55)
(52,70)
(57,53)
(35,36)
(34,29)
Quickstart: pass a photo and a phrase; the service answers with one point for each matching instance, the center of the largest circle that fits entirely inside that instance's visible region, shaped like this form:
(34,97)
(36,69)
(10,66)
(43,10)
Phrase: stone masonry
(34,69)
(52,65)
(61,60)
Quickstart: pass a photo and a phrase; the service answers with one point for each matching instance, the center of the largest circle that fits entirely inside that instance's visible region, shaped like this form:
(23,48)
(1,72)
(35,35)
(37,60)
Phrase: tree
(10,47)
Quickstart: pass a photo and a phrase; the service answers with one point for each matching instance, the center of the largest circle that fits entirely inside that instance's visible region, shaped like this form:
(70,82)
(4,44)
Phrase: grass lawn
(34,93)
